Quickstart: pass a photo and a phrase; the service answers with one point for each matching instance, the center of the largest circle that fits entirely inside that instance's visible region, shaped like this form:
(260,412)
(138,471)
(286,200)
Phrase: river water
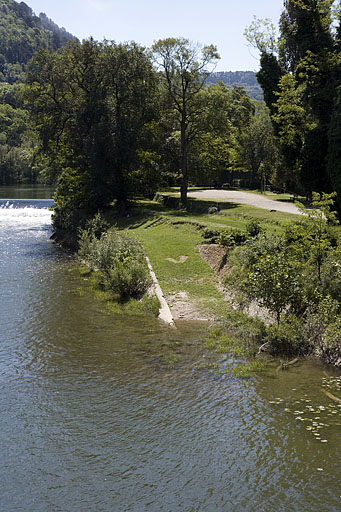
(105,413)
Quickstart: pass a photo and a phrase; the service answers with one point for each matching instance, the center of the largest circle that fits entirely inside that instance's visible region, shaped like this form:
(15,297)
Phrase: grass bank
(170,237)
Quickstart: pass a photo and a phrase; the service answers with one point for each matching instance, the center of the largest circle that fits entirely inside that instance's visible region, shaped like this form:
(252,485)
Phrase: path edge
(164,313)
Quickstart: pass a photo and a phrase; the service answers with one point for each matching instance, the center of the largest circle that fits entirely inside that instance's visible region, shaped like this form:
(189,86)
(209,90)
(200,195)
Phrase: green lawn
(171,233)
(231,215)
(193,276)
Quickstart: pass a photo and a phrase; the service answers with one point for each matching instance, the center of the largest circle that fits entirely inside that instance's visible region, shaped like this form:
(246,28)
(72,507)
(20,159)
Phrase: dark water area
(105,413)
(26,192)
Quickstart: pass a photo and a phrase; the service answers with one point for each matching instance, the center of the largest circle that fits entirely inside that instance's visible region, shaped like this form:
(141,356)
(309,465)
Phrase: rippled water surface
(104,413)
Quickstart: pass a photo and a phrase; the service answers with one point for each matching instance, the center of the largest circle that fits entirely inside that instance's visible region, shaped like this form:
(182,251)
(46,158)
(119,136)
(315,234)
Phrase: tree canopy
(91,102)
(184,70)
(300,75)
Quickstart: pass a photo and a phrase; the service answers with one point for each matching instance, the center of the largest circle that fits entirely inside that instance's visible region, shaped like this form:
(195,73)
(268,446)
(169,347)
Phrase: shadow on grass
(197,207)
(144,212)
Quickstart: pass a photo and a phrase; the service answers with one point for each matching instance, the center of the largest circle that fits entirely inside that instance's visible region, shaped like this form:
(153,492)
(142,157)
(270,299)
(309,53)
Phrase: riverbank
(191,269)
(140,416)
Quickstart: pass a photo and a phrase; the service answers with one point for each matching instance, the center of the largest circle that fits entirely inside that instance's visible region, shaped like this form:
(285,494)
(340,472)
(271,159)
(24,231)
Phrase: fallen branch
(261,348)
(333,397)
(284,365)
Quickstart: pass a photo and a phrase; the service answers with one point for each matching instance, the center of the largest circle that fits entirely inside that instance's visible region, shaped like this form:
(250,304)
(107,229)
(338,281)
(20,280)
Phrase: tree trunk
(122,207)
(184,175)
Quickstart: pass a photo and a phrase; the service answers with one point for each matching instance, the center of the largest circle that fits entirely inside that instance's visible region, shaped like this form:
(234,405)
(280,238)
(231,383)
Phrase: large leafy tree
(91,103)
(184,68)
(216,137)
(299,77)
(259,151)
(214,148)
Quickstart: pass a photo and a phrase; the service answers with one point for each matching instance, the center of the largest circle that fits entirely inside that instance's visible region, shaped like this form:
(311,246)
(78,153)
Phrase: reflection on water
(27,192)
(95,418)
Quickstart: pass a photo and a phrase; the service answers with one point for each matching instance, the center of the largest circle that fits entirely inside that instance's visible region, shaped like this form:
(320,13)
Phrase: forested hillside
(246,79)
(21,34)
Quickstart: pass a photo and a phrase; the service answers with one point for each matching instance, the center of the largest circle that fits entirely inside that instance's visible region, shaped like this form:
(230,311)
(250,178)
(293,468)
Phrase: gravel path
(232,196)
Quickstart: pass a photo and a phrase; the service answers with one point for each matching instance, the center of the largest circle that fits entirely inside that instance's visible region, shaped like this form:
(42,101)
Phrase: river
(102,413)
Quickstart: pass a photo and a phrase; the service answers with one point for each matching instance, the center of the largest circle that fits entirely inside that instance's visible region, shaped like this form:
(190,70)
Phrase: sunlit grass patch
(172,250)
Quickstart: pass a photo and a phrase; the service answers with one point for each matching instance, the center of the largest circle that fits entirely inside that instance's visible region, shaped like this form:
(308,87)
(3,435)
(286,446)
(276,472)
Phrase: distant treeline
(246,79)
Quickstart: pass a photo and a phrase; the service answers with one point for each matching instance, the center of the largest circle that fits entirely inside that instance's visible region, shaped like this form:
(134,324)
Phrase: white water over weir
(21,212)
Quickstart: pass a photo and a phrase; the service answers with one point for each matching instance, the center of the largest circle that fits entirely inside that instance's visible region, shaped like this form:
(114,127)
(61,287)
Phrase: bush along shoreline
(296,277)
(118,262)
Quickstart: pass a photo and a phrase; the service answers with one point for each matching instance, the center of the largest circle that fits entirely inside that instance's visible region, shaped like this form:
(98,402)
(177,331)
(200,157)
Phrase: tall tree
(215,147)
(334,149)
(258,147)
(185,69)
(300,85)
(90,103)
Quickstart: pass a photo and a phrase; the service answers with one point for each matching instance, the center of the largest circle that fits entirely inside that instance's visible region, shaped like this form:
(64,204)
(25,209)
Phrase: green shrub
(248,330)
(253,228)
(128,278)
(119,259)
(211,235)
(97,225)
(231,237)
(288,337)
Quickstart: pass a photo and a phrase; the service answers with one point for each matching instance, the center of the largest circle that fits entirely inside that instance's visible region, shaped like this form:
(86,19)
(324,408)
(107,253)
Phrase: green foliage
(231,237)
(210,235)
(297,277)
(185,68)
(253,228)
(247,369)
(334,153)
(269,76)
(275,282)
(22,34)
(97,225)
(128,278)
(318,332)
(247,330)
(287,337)
(259,148)
(318,238)
(261,34)
(91,104)
(118,258)
(300,89)
(238,337)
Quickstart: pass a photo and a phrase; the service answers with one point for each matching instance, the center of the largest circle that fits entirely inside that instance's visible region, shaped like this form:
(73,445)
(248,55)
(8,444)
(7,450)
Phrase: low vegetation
(116,259)
(297,277)
(290,269)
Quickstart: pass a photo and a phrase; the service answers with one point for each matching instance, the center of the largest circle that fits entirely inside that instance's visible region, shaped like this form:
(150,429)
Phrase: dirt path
(233,196)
